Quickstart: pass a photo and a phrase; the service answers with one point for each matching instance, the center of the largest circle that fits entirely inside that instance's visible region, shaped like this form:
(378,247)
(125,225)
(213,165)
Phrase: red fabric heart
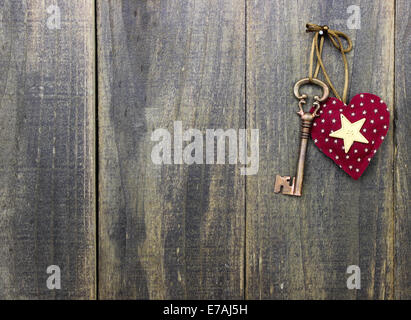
(374,129)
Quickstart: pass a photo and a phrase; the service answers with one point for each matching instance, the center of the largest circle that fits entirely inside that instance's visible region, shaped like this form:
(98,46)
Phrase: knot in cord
(334,36)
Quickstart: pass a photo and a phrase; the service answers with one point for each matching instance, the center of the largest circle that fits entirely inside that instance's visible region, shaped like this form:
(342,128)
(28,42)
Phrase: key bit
(282,184)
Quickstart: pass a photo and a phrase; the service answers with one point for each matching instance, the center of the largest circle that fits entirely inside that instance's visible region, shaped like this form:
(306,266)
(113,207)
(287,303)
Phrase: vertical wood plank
(47,149)
(402,185)
(301,247)
(169,231)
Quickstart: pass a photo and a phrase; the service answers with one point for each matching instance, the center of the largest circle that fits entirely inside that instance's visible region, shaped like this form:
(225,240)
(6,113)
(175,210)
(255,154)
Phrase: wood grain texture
(402,182)
(300,248)
(47,150)
(194,231)
(171,231)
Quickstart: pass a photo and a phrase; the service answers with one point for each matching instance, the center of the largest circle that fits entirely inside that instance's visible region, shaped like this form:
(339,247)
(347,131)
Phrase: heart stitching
(374,129)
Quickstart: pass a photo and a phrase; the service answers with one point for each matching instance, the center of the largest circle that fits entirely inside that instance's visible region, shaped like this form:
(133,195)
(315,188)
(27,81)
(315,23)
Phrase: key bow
(317,99)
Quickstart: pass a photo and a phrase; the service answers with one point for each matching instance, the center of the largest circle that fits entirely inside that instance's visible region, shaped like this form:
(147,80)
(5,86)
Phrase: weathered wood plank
(402,185)
(301,247)
(47,149)
(171,231)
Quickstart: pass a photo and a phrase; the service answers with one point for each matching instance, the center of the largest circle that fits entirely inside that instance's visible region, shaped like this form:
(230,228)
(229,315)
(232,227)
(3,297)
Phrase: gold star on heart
(350,132)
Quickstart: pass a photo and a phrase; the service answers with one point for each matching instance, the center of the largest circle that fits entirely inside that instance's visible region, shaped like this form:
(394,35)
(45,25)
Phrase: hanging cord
(334,36)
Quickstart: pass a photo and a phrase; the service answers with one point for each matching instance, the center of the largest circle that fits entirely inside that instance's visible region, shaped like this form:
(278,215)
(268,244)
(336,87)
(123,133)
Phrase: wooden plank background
(193,231)
(173,231)
(402,175)
(47,213)
(301,248)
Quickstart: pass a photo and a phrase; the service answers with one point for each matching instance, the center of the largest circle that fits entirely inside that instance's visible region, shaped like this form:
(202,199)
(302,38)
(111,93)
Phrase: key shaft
(282,184)
(306,123)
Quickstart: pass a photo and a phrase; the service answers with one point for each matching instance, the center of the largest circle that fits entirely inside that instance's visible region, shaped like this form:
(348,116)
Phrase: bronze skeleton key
(282,183)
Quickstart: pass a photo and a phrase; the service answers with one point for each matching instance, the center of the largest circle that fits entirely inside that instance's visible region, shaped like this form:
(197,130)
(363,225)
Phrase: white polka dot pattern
(374,129)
